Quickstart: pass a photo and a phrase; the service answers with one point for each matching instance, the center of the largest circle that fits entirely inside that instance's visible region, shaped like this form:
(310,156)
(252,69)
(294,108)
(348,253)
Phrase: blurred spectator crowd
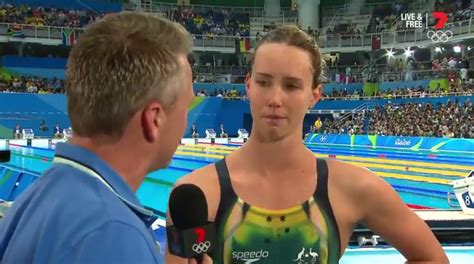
(405,92)
(457,10)
(31,85)
(41,16)
(208,24)
(211,23)
(411,119)
(233,93)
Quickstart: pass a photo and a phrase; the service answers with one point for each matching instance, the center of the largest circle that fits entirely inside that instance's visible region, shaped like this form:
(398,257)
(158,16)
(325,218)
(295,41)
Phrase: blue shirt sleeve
(113,242)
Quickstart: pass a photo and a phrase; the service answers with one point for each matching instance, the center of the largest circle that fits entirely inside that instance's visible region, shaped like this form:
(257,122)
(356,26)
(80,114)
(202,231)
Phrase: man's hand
(205,260)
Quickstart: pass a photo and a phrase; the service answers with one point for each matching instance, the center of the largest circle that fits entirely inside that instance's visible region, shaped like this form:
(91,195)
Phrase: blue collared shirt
(70,216)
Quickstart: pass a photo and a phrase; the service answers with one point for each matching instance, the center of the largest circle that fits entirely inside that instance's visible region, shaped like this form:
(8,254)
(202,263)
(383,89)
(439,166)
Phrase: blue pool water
(155,190)
(419,191)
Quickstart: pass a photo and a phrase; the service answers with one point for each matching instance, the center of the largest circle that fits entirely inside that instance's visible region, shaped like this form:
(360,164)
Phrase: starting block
(28,133)
(210,133)
(464,191)
(67,133)
(242,132)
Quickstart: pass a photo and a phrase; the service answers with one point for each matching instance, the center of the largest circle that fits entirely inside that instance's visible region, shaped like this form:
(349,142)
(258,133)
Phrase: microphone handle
(199,259)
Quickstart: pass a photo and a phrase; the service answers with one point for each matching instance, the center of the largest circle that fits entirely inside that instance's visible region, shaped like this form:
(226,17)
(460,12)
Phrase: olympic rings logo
(201,247)
(439,35)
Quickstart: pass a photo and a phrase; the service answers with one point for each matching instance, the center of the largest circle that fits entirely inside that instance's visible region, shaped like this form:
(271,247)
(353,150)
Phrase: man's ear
(316,95)
(152,119)
(247,83)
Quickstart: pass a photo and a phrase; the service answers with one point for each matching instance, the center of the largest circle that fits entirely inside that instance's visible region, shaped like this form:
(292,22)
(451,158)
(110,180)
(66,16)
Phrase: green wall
(370,88)
(444,84)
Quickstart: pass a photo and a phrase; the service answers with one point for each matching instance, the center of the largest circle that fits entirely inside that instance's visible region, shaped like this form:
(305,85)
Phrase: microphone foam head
(5,155)
(188,206)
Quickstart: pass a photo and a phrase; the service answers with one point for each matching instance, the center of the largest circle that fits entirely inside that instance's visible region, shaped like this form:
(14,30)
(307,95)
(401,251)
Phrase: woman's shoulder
(350,175)
(354,189)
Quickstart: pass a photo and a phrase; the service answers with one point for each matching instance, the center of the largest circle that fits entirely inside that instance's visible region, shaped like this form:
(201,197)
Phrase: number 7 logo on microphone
(201,245)
(201,233)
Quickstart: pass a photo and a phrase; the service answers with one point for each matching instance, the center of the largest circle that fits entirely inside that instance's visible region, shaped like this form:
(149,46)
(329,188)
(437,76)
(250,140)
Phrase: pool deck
(439,215)
(450,227)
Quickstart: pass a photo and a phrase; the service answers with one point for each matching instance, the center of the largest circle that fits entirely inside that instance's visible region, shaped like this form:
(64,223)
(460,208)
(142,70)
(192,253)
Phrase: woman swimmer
(273,201)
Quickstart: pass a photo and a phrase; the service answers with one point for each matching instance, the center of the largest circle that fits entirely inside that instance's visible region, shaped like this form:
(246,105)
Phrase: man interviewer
(128,87)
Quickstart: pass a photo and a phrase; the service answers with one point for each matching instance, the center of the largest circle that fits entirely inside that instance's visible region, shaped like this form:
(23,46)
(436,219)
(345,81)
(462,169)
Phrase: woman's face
(280,91)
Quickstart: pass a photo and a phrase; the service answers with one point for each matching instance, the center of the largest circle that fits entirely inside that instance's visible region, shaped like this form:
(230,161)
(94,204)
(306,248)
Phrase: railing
(219,78)
(361,22)
(417,5)
(356,69)
(44,32)
(417,75)
(343,9)
(359,109)
(266,20)
(234,70)
(404,96)
(386,73)
(389,38)
(164,7)
(408,75)
(392,37)
(216,41)
(282,18)
(365,107)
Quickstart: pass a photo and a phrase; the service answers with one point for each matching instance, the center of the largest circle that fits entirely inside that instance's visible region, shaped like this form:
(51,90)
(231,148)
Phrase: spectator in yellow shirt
(318,124)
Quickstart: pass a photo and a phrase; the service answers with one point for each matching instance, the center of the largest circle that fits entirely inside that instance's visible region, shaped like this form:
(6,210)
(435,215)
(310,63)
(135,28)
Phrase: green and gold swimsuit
(305,234)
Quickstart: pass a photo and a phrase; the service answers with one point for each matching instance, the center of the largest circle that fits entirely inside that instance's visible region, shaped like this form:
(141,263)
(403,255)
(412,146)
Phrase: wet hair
(295,37)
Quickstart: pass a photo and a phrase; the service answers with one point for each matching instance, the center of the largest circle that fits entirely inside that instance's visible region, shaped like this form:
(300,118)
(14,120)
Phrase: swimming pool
(421,179)
(422,182)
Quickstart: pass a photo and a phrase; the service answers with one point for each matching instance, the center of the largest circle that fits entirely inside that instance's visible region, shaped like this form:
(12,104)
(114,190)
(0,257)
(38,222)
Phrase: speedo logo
(250,256)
